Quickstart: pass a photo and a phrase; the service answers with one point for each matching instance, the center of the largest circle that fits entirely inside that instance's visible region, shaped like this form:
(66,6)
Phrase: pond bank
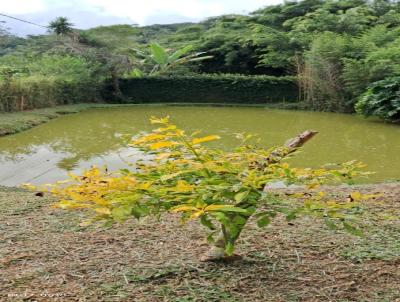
(45,251)
(15,122)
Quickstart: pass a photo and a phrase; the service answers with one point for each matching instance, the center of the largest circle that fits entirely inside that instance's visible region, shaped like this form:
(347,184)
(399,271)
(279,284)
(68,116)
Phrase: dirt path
(46,256)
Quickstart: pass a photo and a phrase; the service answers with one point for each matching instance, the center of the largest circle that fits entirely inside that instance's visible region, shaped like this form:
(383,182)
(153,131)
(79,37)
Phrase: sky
(90,13)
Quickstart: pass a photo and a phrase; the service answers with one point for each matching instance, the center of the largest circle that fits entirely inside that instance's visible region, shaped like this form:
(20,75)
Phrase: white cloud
(20,7)
(139,11)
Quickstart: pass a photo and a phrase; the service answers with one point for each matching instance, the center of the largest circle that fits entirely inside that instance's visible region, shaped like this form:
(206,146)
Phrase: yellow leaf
(68,204)
(100,201)
(86,223)
(171,127)
(331,203)
(163,156)
(183,186)
(285,166)
(160,145)
(313,186)
(196,214)
(29,186)
(170,176)
(163,120)
(103,210)
(369,196)
(319,172)
(183,208)
(144,185)
(148,138)
(216,207)
(355,196)
(297,195)
(212,166)
(205,139)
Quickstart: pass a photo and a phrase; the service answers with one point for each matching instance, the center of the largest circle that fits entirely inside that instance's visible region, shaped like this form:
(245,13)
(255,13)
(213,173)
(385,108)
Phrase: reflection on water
(96,137)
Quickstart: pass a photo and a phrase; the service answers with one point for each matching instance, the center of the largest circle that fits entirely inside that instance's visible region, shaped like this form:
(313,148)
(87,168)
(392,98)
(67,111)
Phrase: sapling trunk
(218,251)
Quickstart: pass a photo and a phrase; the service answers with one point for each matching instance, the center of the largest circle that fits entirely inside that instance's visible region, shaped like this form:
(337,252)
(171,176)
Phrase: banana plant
(163,60)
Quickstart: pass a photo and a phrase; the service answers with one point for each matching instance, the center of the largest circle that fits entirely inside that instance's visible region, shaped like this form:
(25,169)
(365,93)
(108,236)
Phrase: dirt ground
(46,256)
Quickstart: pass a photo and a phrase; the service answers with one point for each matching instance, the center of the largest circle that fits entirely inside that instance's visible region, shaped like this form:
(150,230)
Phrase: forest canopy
(337,49)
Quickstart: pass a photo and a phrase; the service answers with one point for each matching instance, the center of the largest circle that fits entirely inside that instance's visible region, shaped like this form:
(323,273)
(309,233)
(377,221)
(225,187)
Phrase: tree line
(343,52)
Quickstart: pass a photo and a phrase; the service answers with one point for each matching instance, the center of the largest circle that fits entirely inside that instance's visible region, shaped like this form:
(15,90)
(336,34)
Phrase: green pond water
(95,137)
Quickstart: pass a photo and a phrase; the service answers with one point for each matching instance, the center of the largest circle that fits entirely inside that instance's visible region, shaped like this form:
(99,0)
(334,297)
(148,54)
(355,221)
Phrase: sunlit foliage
(222,189)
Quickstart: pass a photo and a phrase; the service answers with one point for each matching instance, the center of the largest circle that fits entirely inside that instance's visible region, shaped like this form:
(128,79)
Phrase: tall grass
(18,94)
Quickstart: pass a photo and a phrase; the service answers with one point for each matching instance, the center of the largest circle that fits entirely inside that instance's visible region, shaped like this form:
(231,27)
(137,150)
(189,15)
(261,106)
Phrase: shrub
(17,94)
(221,189)
(221,88)
(382,99)
(47,80)
(321,73)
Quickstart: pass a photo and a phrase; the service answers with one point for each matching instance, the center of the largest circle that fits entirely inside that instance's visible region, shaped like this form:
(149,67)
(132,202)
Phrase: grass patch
(381,243)
(45,252)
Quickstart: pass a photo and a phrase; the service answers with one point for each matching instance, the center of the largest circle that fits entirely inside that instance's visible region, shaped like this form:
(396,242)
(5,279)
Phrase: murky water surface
(95,137)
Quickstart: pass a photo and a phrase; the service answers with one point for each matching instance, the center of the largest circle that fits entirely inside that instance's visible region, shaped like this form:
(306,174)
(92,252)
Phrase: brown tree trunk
(22,104)
(115,84)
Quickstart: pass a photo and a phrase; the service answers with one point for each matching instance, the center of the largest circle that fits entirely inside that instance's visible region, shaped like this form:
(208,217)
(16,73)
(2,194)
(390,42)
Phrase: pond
(95,137)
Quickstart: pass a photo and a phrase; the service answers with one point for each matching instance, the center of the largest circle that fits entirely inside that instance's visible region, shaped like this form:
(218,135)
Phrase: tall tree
(61,26)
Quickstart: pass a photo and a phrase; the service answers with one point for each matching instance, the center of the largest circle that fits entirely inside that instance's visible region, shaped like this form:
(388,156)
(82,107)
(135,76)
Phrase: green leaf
(229,248)
(159,54)
(108,224)
(239,220)
(137,73)
(330,224)
(292,215)
(170,176)
(262,222)
(200,58)
(241,196)
(180,52)
(204,220)
(352,230)
(221,217)
(266,213)
(233,209)
(210,237)
(121,213)
(125,171)
(139,211)
(234,230)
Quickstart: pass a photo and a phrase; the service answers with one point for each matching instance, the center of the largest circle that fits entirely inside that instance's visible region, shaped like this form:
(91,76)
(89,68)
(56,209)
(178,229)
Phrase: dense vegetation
(337,49)
(208,88)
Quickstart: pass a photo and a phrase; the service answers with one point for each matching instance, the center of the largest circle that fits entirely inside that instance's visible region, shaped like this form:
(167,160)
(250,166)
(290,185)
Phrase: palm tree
(61,26)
